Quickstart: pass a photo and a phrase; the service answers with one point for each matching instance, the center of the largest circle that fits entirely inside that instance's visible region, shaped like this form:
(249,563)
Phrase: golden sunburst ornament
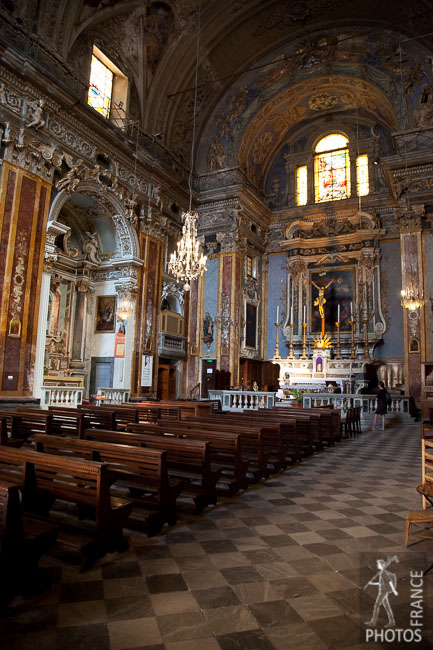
(322,342)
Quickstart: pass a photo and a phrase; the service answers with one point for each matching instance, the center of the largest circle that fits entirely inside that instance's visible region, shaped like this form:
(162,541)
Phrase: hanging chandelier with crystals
(188,262)
(412,296)
(125,308)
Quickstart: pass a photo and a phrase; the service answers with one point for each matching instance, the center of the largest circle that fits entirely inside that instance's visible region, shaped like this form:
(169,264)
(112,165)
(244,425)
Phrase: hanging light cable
(188,262)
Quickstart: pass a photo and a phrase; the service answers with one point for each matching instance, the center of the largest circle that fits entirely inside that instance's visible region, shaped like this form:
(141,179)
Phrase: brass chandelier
(189,262)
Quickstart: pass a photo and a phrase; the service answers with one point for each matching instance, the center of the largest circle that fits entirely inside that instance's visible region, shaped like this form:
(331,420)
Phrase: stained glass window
(301,186)
(362,181)
(332,169)
(100,87)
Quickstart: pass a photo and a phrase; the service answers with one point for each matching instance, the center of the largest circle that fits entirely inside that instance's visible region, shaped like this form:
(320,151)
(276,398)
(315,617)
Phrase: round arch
(114,209)
(267,130)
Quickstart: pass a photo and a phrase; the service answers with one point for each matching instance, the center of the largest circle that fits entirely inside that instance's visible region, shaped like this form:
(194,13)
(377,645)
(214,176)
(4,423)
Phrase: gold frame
(111,303)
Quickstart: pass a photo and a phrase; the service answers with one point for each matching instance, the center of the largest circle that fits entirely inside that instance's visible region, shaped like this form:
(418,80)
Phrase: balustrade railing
(368,403)
(61,396)
(112,395)
(238,400)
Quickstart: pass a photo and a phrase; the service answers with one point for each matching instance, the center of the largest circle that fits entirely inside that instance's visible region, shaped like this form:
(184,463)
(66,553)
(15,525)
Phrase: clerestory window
(108,88)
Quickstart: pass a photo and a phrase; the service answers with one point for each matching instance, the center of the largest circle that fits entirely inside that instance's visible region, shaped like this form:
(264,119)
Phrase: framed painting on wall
(338,286)
(105,318)
(251,326)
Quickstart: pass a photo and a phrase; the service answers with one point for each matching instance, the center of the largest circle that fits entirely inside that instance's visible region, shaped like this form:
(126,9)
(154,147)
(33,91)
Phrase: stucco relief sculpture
(424,113)
(91,248)
(72,178)
(36,114)
(208,330)
(217,154)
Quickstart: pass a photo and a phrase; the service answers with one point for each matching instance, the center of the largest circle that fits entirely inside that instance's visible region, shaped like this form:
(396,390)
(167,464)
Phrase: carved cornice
(54,229)
(66,131)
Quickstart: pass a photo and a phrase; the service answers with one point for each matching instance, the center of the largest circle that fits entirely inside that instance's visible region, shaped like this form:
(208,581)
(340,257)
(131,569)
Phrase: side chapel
(302,135)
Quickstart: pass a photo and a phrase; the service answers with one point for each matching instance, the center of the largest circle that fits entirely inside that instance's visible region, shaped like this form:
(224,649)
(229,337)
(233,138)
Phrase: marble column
(410,227)
(42,334)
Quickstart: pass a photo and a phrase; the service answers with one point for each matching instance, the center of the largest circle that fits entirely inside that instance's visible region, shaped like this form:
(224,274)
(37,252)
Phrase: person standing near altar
(383,399)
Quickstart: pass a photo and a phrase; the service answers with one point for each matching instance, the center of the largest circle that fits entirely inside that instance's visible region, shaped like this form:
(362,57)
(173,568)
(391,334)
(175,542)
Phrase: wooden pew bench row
(23,540)
(45,478)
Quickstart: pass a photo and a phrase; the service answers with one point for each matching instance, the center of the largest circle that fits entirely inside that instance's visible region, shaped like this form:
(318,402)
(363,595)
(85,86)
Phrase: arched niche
(100,207)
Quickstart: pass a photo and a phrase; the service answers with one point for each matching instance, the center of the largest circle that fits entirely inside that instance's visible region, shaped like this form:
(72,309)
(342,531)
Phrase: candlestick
(366,354)
(291,325)
(277,349)
(338,355)
(352,349)
(304,342)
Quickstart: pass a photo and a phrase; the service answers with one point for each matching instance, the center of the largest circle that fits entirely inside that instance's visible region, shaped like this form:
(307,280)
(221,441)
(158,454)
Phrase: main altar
(332,308)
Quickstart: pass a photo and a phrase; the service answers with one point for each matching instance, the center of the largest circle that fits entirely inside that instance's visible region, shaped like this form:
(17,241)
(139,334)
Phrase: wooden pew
(307,428)
(22,424)
(189,461)
(73,421)
(23,540)
(124,414)
(142,471)
(45,478)
(330,425)
(284,432)
(4,438)
(253,442)
(225,450)
(185,408)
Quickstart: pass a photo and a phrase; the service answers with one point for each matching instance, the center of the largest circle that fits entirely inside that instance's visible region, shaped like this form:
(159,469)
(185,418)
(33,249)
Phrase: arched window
(332,169)
(332,177)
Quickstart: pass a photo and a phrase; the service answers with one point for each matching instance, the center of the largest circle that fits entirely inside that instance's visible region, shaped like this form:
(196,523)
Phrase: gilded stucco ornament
(408,222)
(36,110)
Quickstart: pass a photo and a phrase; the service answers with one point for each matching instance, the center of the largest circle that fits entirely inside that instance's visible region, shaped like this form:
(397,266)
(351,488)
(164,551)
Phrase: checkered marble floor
(280,567)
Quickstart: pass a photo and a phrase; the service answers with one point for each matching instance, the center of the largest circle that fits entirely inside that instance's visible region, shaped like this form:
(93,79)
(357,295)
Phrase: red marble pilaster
(25,211)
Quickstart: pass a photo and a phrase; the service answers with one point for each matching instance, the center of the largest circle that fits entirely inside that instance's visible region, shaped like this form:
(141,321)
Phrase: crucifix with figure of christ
(320,300)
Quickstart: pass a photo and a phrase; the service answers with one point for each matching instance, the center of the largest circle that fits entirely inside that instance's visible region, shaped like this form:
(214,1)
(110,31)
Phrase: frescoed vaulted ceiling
(265,66)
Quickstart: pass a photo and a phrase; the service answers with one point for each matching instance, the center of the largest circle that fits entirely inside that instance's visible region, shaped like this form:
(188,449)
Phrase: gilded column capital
(409,221)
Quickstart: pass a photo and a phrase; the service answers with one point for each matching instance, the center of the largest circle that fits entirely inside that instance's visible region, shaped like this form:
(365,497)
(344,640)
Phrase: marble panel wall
(428,293)
(24,209)
(392,347)
(277,276)
(147,312)
(210,302)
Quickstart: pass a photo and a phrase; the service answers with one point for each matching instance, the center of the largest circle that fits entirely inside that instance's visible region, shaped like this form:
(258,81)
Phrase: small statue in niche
(91,248)
(37,115)
(424,112)
(15,328)
(255,386)
(217,154)
(207,330)
(130,212)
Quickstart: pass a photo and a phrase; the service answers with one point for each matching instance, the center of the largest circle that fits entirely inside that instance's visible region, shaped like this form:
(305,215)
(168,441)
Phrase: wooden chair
(421,518)
(347,424)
